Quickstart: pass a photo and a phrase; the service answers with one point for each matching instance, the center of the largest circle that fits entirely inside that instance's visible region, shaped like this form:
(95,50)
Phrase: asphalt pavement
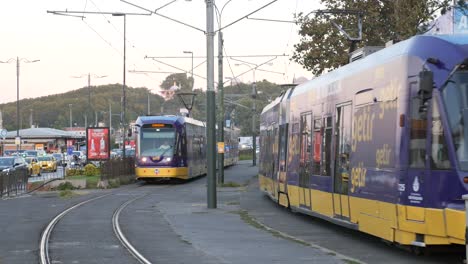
(172,224)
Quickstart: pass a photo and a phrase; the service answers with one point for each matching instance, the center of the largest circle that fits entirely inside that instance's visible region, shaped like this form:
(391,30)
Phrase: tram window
(439,150)
(306,144)
(418,135)
(327,145)
(317,140)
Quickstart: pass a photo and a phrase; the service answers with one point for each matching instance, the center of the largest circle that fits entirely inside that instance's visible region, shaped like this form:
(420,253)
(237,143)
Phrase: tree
(323,47)
(241,94)
(180,79)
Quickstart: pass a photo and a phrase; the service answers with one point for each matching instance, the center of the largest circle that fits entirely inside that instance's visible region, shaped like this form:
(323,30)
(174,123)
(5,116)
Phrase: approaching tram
(175,147)
(377,145)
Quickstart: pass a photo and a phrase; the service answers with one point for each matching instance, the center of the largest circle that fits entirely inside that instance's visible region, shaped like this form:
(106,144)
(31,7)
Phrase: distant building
(169,94)
(48,139)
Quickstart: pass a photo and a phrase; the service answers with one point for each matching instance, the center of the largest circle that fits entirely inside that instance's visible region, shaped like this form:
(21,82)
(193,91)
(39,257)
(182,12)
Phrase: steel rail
(118,232)
(44,244)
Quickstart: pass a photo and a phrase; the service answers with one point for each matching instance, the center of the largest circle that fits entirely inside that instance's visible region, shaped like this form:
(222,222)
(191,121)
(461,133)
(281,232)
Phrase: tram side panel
(371,187)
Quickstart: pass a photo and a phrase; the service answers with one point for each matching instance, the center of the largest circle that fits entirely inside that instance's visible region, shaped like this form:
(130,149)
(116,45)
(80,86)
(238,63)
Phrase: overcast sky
(71,46)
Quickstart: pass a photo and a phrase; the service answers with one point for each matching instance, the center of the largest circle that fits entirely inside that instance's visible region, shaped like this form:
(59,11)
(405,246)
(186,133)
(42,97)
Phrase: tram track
(120,235)
(44,249)
(44,242)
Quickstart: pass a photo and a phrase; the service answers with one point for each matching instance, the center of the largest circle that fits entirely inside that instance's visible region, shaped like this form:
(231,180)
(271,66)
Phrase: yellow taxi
(34,167)
(48,163)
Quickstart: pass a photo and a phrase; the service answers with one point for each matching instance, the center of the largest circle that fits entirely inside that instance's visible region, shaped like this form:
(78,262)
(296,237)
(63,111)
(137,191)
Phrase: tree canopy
(323,47)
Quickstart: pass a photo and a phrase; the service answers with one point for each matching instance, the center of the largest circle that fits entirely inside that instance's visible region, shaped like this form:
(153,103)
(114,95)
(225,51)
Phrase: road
(169,223)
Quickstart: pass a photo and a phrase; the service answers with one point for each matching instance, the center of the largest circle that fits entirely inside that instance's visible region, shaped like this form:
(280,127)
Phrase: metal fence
(118,168)
(13,183)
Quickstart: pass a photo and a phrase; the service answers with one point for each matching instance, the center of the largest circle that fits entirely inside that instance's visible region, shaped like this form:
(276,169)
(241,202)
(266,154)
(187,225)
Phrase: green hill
(54,111)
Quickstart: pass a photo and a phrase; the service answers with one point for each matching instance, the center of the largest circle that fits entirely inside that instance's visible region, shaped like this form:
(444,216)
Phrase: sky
(69,48)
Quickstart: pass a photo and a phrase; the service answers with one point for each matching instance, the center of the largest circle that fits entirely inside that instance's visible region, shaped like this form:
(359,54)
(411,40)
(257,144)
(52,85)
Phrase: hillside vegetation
(54,110)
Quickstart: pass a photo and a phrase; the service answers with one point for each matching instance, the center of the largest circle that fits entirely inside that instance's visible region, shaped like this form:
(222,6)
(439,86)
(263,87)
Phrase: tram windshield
(455,97)
(157,141)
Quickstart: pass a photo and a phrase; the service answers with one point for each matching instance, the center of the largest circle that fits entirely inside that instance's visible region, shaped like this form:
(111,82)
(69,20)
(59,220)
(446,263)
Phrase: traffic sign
(3,133)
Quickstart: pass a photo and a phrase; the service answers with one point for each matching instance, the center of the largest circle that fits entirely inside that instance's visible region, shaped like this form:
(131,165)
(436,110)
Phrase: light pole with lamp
(122,118)
(80,14)
(90,106)
(210,93)
(191,73)
(254,97)
(71,116)
(18,60)
(254,111)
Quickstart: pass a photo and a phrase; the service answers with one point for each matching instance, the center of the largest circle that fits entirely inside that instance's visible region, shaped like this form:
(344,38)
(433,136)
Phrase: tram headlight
(144,159)
(168,159)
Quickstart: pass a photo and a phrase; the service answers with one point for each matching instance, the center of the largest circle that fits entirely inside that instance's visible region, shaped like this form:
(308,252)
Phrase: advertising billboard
(98,142)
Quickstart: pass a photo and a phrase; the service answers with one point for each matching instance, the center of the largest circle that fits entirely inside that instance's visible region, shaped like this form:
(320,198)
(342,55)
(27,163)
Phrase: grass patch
(66,194)
(245,156)
(91,181)
(233,203)
(64,186)
(244,215)
(114,183)
(231,184)
(35,185)
(331,253)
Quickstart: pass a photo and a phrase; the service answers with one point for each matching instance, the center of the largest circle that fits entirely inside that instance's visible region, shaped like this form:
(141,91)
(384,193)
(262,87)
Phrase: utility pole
(89,111)
(123,100)
(30,118)
(210,93)
(71,117)
(210,106)
(221,108)
(18,139)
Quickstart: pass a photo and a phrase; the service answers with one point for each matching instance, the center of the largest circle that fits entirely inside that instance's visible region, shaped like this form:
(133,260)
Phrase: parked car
(34,153)
(13,164)
(48,163)
(60,158)
(34,167)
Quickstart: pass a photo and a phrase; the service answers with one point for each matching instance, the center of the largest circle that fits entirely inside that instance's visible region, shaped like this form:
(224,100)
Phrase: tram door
(274,165)
(341,170)
(281,178)
(305,159)
(418,174)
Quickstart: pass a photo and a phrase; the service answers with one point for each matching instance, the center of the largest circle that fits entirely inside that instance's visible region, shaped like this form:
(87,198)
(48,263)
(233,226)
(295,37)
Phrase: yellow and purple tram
(175,147)
(377,145)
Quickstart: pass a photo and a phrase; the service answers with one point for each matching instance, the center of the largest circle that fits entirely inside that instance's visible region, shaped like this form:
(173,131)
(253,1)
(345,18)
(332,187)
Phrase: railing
(13,183)
(118,168)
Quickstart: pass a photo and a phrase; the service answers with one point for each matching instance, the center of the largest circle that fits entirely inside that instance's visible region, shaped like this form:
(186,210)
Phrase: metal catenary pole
(17,103)
(221,106)
(210,113)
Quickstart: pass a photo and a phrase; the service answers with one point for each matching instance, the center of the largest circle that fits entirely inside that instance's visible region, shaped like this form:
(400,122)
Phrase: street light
(191,52)
(254,110)
(90,106)
(66,12)
(122,119)
(71,116)
(18,60)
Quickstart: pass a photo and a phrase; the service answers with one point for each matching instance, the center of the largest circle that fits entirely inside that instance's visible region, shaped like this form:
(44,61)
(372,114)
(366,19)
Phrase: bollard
(465,197)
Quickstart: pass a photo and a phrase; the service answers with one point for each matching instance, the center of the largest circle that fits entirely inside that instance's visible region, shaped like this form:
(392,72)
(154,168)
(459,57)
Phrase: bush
(74,172)
(65,186)
(91,170)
